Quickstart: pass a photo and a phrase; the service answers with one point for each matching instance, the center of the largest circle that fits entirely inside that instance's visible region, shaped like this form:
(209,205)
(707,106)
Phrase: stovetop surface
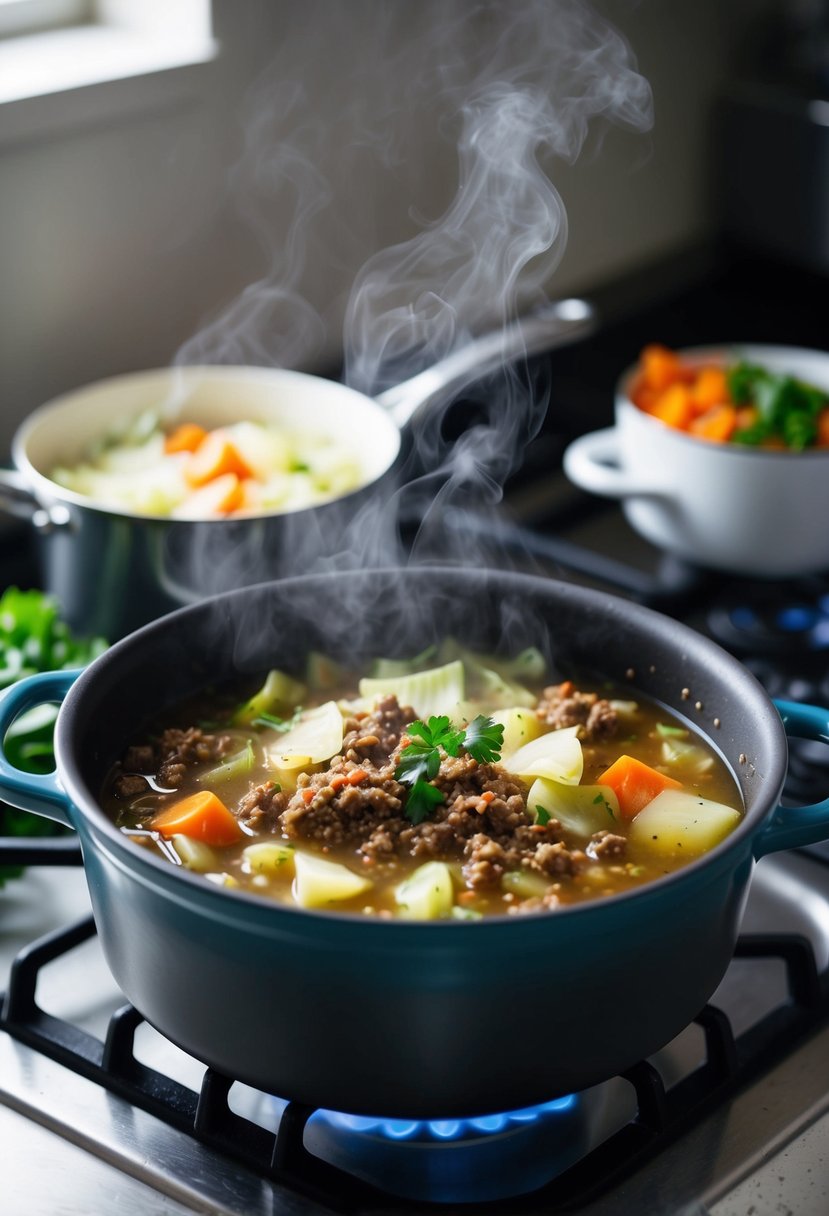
(744,1135)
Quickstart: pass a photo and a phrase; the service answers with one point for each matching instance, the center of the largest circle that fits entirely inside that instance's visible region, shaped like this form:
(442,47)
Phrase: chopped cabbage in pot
(244,468)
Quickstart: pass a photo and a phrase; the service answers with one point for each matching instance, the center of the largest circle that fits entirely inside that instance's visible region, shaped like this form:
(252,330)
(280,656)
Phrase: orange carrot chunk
(661,367)
(674,406)
(185,438)
(635,784)
(202,816)
(217,497)
(717,424)
(710,388)
(214,457)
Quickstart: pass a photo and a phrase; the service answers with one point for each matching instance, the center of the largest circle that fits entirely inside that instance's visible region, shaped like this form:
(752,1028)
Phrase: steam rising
(515,88)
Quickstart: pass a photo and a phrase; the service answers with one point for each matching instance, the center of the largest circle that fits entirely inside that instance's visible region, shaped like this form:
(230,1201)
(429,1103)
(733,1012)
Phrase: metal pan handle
(42,794)
(792,827)
(18,499)
(555,325)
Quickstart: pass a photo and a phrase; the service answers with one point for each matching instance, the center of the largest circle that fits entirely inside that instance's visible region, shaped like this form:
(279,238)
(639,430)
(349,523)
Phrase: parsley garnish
(542,816)
(483,739)
(420,759)
(422,800)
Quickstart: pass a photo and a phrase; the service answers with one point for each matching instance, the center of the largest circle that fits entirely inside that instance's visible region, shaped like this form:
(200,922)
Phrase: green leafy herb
(420,759)
(34,639)
(787,408)
(422,800)
(542,816)
(483,739)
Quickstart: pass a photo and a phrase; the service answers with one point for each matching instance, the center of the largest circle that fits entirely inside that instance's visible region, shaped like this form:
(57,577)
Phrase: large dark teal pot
(421,1020)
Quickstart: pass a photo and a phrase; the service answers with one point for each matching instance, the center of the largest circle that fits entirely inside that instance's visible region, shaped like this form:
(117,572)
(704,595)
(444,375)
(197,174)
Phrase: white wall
(118,236)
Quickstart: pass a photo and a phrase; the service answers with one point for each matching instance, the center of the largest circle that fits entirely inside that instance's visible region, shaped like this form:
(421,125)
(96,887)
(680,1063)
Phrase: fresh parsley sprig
(420,760)
(483,739)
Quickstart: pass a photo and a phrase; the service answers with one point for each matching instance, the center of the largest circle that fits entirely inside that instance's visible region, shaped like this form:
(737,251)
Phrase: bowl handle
(40,793)
(592,463)
(791,827)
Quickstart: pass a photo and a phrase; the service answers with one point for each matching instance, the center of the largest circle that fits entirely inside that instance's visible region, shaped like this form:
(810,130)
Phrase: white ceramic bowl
(750,511)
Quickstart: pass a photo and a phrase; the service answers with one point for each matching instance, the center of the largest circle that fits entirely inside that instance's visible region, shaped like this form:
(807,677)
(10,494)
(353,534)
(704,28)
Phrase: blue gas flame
(448,1129)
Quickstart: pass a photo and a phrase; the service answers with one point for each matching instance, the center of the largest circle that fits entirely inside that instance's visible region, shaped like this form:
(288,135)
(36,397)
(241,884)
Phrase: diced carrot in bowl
(717,424)
(709,388)
(674,406)
(661,367)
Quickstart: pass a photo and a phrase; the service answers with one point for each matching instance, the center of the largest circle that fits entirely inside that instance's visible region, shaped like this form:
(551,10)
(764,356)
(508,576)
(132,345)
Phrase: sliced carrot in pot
(215,456)
(202,816)
(635,784)
(185,438)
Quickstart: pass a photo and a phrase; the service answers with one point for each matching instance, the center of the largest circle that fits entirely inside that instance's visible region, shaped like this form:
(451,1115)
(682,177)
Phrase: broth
(470,788)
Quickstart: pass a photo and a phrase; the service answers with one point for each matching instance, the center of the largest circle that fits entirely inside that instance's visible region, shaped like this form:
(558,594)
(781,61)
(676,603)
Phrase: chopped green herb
(422,800)
(33,639)
(787,408)
(483,739)
(420,759)
(542,816)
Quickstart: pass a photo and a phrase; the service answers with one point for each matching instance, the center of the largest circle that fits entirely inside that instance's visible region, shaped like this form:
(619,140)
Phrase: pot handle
(18,499)
(549,327)
(792,827)
(40,793)
(592,462)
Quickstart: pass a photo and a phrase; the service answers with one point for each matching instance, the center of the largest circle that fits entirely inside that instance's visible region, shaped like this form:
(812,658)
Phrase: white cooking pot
(751,511)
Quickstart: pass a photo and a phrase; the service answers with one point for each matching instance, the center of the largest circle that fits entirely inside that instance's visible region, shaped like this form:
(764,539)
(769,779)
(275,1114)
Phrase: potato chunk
(676,823)
(269,857)
(427,894)
(319,882)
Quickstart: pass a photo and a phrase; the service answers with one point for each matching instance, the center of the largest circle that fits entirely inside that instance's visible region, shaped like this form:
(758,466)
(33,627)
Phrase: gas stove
(98,1112)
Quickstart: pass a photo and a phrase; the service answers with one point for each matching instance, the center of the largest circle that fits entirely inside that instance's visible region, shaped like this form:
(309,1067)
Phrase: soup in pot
(454,786)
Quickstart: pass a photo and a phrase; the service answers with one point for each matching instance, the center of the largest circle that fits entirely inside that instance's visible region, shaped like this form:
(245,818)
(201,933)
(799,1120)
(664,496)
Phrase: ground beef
(129,785)
(563,705)
(179,750)
(371,738)
(345,804)
(606,844)
(261,807)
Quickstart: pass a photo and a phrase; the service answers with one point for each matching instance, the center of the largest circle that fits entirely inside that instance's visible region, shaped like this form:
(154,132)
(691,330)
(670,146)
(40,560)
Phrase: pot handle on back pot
(792,827)
(40,793)
(592,462)
(555,325)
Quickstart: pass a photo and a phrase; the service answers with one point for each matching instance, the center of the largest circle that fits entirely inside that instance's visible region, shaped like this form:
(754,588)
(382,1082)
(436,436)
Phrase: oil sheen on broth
(450,786)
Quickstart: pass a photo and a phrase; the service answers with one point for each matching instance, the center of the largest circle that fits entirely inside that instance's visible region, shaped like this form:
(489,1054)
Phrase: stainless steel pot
(112,570)
(405,1018)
